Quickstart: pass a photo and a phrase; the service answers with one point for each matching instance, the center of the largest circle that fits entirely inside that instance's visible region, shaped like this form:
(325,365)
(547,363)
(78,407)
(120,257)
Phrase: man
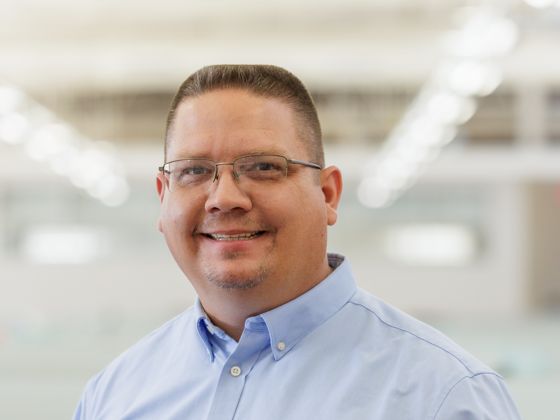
(279,330)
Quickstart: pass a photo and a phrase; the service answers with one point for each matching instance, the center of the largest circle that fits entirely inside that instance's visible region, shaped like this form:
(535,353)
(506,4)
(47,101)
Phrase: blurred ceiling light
(450,108)
(410,155)
(10,98)
(88,164)
(542,4)
(111,190)
(424,129)
(430,244)
(425,132)
(484,35)
(469,69)
(60,163)
(469,78)
(371,194)
(64,244)
(13,127)
(394,168)
(49,141)
(91,166)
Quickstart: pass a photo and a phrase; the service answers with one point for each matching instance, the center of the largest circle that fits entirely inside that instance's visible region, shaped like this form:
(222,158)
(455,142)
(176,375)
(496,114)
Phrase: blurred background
(443,116)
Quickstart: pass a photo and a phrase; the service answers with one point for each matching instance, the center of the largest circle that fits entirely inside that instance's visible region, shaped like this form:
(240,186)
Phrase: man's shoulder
(418,339)
(169,331)
(145,352)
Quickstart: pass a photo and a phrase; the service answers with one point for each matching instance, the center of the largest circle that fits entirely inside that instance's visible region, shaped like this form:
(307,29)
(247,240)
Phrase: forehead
(230,122)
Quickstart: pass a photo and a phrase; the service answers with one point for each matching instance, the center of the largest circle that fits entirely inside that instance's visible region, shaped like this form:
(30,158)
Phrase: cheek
(301,213)
(176,218)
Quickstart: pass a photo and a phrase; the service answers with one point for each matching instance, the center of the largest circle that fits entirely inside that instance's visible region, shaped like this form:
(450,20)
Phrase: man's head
(261,80)
(260,236)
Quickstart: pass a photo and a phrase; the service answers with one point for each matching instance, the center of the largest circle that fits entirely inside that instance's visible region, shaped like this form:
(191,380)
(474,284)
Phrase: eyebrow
(264,152)
(253,152)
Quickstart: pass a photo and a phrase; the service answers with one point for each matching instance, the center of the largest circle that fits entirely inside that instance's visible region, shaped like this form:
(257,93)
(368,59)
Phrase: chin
(240,280)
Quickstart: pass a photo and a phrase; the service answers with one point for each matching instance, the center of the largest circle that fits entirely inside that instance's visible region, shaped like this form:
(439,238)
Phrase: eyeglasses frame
(232,163)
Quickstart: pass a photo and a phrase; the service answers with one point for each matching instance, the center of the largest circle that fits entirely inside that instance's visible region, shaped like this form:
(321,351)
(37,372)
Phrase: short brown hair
(262,80)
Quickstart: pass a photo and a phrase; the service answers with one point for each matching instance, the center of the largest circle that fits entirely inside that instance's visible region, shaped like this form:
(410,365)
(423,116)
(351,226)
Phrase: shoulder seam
(418,337)
(455,385)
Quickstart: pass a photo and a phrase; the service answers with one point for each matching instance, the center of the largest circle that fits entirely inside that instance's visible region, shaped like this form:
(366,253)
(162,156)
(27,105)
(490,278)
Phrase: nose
(225,194)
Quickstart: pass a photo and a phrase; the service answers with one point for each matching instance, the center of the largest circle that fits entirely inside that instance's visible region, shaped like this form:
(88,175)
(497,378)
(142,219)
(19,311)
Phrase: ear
(331,185)
(160,186)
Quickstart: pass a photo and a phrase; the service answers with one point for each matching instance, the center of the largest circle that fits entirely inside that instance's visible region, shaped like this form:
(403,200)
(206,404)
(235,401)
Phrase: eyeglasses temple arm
(304,163)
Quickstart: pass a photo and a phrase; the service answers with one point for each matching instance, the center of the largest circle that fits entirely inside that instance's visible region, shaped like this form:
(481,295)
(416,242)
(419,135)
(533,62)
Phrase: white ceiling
(131,45)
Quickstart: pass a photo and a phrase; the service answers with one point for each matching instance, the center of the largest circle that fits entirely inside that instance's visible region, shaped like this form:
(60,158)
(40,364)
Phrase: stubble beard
(233,281)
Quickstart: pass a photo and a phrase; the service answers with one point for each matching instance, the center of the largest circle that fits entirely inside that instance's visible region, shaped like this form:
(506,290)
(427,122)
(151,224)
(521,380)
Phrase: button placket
(235,371)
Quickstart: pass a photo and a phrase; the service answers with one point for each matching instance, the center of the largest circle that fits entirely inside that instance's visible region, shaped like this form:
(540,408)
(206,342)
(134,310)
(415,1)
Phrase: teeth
(238,237)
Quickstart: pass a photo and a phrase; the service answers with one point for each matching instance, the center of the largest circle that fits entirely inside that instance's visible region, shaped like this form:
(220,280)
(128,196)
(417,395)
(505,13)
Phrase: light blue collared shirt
(335,352)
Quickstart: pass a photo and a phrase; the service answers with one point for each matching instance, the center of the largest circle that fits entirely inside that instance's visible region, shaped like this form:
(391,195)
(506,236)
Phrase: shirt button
(235,371)
(281,346)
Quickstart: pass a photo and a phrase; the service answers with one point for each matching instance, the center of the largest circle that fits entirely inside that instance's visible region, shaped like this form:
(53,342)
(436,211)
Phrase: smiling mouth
(234,237)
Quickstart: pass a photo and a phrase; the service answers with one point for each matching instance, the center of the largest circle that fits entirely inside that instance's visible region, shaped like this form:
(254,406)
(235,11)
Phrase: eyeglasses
(192,172)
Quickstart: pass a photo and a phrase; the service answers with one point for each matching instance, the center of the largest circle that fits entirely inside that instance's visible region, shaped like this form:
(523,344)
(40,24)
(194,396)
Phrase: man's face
(241,234)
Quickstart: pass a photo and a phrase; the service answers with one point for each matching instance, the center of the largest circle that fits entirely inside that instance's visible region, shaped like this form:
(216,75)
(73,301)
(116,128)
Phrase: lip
(233,242)
(233,235)
(228,231)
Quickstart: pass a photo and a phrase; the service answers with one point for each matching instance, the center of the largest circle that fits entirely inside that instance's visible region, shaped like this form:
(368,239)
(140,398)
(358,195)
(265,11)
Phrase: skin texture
(238,279)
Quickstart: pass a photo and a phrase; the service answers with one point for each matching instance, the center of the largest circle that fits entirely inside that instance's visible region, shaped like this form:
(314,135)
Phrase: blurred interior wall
(543,246)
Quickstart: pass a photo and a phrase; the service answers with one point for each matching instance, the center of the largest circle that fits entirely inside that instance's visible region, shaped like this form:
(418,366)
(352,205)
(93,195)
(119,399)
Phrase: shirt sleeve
(479,397)
(79,413)
(82,411)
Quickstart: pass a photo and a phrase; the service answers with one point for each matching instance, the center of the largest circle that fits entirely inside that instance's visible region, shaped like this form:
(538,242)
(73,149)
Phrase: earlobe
(331,185)
(160,186)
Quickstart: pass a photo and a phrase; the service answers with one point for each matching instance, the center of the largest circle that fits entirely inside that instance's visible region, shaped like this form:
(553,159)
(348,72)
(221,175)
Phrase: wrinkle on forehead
(236,122)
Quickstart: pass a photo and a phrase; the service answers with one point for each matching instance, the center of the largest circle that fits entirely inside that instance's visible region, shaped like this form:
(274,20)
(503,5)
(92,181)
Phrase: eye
(188,172)
(262,167)
(196,170)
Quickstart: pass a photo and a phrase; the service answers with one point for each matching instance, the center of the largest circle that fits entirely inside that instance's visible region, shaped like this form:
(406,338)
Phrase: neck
(229,308)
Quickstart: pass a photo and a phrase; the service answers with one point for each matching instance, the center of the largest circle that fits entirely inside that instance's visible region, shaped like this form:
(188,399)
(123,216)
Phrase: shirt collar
(289,323)
(204,327)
